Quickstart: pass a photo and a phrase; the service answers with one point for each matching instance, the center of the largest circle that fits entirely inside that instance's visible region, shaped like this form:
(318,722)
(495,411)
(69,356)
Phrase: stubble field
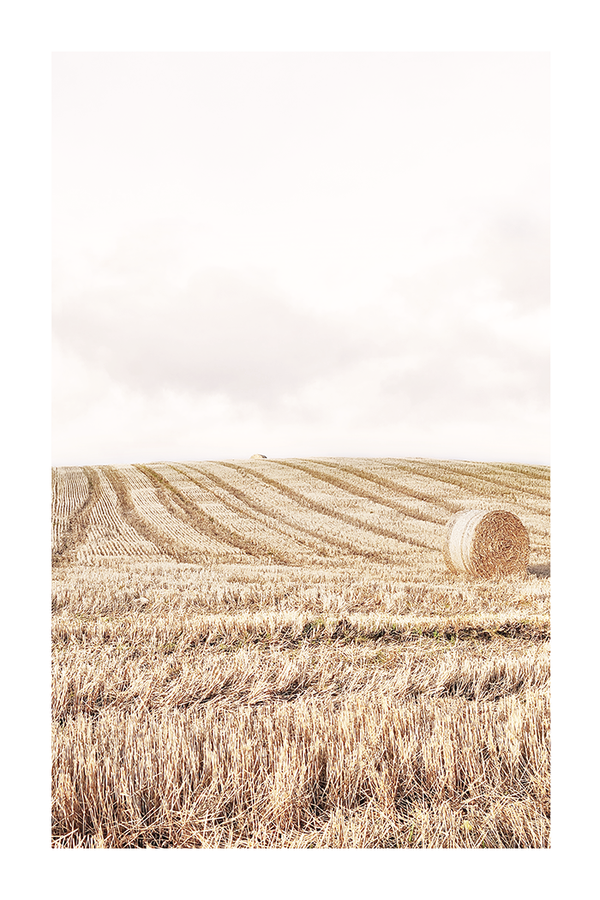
(273,653)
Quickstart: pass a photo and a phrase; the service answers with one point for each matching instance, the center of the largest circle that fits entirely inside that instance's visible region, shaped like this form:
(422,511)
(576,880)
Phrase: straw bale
(258,456)
(486,543)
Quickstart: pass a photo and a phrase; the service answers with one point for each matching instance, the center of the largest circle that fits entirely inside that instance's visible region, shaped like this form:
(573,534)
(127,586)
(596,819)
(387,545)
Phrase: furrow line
(468,480)
(447,475)
(470,470)
(164,543)
(325,510)
(156,504)
(533,473)
(233,512)
(75,531)
(380,530)
(450,507)
(108,532)
(537,521)
(70,489)
(356,490)
(322,542)
(207,523)
(298,540)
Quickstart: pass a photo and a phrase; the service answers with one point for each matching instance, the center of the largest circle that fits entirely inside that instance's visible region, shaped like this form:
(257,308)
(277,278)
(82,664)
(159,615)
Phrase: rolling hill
(273,653)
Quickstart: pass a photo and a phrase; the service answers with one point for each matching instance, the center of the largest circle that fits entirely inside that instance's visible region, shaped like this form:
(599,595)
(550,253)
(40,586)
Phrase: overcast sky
(300,254)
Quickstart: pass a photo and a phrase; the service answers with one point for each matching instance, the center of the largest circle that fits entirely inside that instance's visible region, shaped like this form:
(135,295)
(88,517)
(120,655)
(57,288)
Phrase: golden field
(274,654)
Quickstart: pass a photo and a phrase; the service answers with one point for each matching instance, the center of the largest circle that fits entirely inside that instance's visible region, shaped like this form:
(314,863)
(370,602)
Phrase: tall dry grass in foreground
(362,772)
(300,685)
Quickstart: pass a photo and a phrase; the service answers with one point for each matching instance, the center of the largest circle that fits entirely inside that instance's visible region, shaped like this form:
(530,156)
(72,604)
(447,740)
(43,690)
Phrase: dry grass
(365,773)
(276,655)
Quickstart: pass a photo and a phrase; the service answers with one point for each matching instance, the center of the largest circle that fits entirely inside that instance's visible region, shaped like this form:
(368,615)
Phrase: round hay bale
(486,543)
(258,456)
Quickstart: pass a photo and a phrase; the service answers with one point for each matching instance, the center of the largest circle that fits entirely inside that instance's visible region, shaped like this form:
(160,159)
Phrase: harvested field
(275,654)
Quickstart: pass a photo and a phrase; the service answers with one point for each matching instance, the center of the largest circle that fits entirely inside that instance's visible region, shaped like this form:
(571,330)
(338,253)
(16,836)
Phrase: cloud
(339,253)
(223,357)
(222,334)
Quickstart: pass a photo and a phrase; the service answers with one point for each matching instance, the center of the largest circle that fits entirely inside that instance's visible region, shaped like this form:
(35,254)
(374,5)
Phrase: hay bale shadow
(541,570)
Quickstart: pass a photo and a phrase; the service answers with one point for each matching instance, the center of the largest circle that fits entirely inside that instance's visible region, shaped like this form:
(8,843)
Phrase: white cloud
(455,363)
(336,253)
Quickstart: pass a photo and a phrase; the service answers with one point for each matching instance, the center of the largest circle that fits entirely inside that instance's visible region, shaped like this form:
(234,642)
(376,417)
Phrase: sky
(300,254)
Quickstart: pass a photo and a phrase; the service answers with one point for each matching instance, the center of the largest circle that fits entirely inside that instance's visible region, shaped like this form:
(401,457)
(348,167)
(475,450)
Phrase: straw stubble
(349,700)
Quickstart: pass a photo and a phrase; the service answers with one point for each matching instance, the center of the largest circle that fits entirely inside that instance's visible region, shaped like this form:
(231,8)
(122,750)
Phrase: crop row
(448,773)
(284,512)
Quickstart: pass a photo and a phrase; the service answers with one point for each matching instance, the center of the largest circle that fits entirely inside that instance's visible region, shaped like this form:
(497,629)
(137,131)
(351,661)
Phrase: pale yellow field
(273,653)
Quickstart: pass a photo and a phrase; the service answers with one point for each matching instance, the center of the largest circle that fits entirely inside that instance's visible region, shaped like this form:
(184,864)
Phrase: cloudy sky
(300,254)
